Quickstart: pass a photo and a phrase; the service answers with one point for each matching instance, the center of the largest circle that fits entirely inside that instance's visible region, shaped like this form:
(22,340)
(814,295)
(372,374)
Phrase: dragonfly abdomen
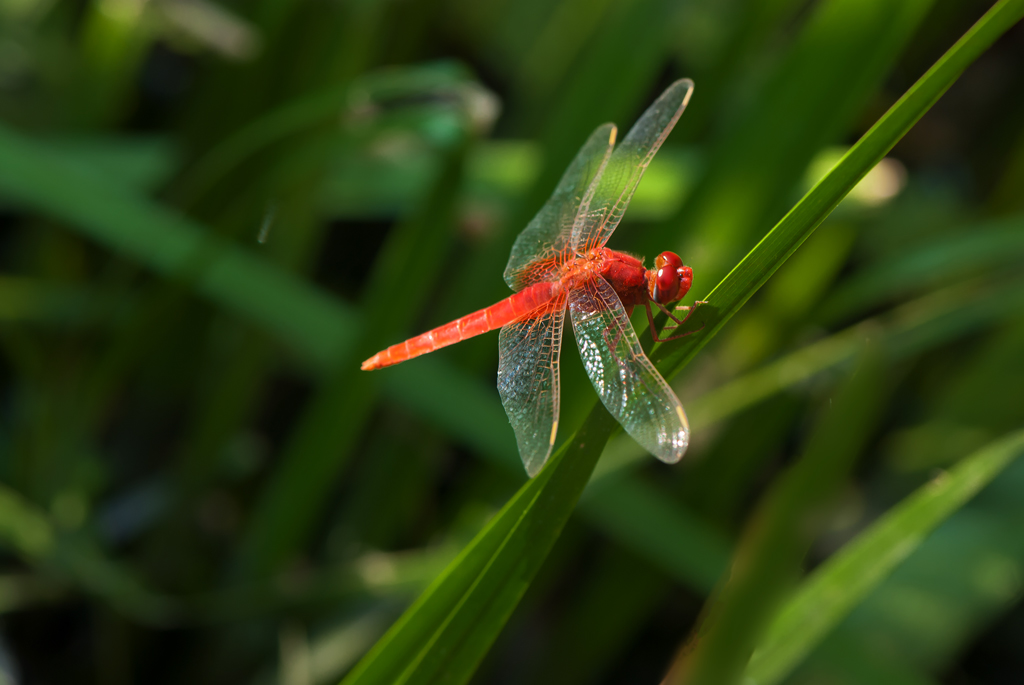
(481,321)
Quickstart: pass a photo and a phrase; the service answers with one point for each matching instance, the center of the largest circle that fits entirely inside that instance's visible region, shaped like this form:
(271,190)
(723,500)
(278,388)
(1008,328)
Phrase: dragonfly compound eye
(668,259)
(666,285)
(685,276)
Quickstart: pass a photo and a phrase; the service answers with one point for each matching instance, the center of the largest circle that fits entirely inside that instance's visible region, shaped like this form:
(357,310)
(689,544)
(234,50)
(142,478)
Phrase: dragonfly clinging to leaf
(560,262)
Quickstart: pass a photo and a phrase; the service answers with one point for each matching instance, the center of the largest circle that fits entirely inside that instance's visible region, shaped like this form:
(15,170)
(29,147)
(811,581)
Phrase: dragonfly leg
(612,344)
(682,308)
(678,322)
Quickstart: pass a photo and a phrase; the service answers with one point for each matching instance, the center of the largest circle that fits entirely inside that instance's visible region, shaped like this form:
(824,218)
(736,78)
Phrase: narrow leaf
(758,266)
(846,579)
(447,632)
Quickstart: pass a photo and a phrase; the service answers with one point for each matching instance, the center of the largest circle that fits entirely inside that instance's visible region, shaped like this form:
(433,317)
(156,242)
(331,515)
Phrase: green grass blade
(844,50)
(145,163)
(744,280)
(31,174)
(318,448)
(842,53)
(970,250)
(913,328)
(321,328)
(842,582)
(625,507)
(758,266)
(916,327)
(781,529)
(446,633)
(247,292)
(305,112)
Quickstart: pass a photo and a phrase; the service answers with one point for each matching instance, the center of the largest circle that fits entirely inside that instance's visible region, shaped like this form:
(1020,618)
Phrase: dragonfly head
(671,279)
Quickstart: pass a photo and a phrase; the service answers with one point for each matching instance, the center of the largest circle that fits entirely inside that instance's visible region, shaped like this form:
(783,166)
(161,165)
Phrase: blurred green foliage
(211,212)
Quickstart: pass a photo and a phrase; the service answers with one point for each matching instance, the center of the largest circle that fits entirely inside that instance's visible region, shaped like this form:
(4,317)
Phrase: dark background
(195,491)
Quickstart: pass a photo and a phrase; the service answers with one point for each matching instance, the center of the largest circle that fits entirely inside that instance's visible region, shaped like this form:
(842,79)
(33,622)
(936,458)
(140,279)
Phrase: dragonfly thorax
(584,267)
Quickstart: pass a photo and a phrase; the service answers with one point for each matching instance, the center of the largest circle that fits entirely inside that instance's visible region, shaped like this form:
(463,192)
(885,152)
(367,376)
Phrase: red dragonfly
(559,261)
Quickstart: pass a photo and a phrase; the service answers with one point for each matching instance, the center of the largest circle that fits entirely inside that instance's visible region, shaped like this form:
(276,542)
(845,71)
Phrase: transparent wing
(538,250)
(595,223)
(628,384)
(528,380)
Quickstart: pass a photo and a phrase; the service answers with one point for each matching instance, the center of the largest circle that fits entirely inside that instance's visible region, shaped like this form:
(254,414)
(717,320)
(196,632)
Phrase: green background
(211,213)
